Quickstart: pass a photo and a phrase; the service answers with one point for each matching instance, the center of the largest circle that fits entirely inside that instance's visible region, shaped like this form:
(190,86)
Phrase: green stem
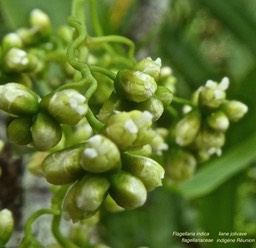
(57,199)
(182,101)
(36,215)
(103,71)
(28,236)
(65,243)
(116,39)
(94,122)
(78,10)
(84,69)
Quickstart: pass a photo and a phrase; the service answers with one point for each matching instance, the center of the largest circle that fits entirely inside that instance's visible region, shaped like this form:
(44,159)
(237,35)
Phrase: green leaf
(218,211)
(218,171)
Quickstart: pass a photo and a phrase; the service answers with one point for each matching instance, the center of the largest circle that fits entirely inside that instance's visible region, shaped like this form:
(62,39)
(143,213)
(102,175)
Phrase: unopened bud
(187,128)
(210,141)
(26,35)
(66,106)
(153,105)
(218,121)
(180,165)
(6,226)
(46,132)
(127,190)
(125,127)
(164,95)
(146,169)
(100,154)
(154,139)
(11,40)
(40,21)
(135,86)
(18,99)
(212,95)
(235,110)
(63,167)
(18,60)
(110,106)
(111,206)
(150,67)
(18,131)
(85,197)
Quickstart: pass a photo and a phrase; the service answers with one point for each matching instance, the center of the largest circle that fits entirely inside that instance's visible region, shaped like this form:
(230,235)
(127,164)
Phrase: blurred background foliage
(199,40)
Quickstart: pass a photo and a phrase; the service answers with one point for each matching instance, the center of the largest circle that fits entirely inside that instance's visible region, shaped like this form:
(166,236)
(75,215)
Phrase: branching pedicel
(98,125)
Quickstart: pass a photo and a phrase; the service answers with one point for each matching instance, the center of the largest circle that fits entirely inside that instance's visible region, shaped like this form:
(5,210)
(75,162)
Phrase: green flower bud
(17,99)
(111,206)
(26,35)
(135,86)
(127,190)
(6,226)
(80,233)
(18,131)
(234,110)
(167,79)
(63,167)
(113,104)
(212,95)
(218,121)
(46,132)
(146,169)
(66,106)
(180,165)
(80,133)
(164,95)
(100,155)
(124,127)
(150,67)
(153,138)
(85,197)
(40,21)
(210,141)
(66,34)
(187,128)
(11,40)
(18,60)
(153,105)
(34,163)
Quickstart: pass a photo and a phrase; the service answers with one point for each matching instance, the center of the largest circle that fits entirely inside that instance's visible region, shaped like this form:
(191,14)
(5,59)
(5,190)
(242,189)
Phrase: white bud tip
(147,116)
(224,83)
(211,84)
(166,71)
(158,61)
(131,126)
(90,153)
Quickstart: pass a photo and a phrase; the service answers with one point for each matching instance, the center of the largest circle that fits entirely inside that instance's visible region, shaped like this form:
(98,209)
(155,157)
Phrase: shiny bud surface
(135,86)
(100,154)
(46,132)
(127,190)
(18,99)
(63,167)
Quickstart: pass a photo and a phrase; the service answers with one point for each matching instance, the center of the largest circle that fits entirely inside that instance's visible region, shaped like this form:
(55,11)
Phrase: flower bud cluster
(38,121)
(26,51)
(138,88)
(200,133)
(114,165)
(102,172)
